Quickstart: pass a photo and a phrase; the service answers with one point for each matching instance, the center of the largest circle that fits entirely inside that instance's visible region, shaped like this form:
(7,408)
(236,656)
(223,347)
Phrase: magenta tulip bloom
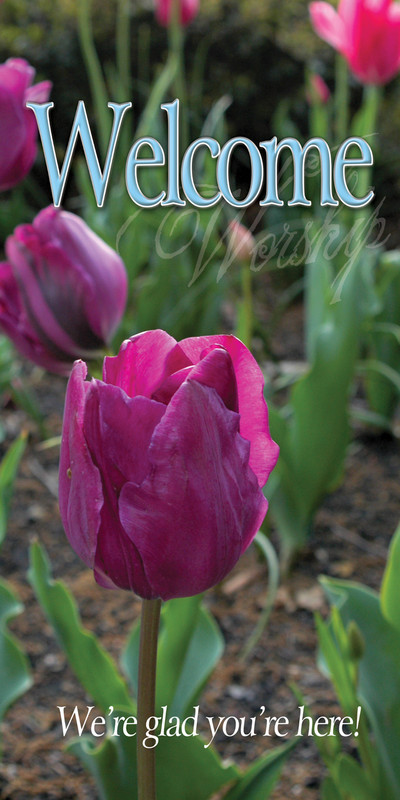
(366,32)
(62,290)
(187,10)
(18,129)
(162,462)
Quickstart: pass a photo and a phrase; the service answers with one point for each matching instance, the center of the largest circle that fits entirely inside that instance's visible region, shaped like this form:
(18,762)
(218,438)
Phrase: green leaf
(330,791)
(205,650)
(333,663)
(184,768)
(372,418)
(8,472)
(259,780)
(379,673)
(92,665)
(390,591)
(14,668)
(8,364)
(190,645)
(382,369)
(352,779)
(269,553)
(383,336)
(317,432)
(387,328)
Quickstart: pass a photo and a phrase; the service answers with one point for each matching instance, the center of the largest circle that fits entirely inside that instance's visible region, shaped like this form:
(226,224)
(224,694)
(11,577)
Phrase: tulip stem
(247,307)
(146,772)
(176,43)
(94,71)
(342,99)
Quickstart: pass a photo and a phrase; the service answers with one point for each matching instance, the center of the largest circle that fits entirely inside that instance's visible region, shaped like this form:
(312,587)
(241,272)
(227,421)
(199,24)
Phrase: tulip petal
(16,75)
(130,368)
(188,10)
(11,119)
(39,93)
(329,25)
(200,502)
(252,406)
(215,370)
(120,437)
(15,324)
(118,430)
(375,56)
(81,493)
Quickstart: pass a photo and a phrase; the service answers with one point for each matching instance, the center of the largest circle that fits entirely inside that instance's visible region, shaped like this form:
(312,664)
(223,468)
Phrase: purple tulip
(62,290)
(18,129)
(162,463)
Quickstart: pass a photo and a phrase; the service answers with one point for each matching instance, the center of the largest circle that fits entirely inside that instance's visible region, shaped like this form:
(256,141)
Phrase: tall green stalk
(341,99)
(369,116)
(146,763)
(176,47)
(94,71)
(247,305)
(123,49)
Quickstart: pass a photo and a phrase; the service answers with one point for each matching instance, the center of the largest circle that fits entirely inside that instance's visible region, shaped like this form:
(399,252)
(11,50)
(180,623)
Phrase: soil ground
(351,536)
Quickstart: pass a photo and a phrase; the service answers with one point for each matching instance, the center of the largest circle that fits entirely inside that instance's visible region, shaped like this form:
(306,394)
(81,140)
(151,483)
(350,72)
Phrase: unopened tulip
(187,10)
(162,462)
(62,290)
(17,124)
(319,91)
(366,32)
(241,241)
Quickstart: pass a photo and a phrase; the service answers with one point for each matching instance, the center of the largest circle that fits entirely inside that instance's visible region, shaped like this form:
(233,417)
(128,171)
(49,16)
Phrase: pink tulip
(366,32)
(162,462)
(187,10)
(18,129)
(241,241)
(62,290)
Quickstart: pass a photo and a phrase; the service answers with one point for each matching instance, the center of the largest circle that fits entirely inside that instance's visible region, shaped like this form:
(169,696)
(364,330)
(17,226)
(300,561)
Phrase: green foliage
(371,680)
(390,591)
(103,682)
(184,768)
(12,383)
(8,473)
(14,668)
(383,339)
(313,428)
(8,368)
(259,780)
(190,646)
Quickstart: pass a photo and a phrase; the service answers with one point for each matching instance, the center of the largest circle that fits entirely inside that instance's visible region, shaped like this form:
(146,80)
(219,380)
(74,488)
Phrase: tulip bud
(319,91)
(62,290)
(241,241)
(187,11)
(356,641)
(366,33)
(18,124)
(162,463)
